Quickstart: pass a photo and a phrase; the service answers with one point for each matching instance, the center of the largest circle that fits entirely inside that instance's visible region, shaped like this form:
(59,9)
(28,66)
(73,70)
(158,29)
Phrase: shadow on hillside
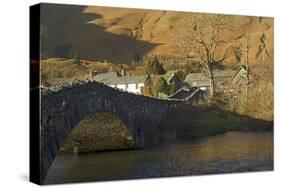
(69,31)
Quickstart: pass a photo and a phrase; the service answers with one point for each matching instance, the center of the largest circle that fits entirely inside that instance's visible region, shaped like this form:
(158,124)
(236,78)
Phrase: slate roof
(173,76)
(200,79)
(111,78)
(217,74)
(186,94)
(180,94)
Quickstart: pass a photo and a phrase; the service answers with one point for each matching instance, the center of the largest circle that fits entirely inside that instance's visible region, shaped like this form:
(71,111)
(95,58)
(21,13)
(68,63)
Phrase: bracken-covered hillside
(124,35)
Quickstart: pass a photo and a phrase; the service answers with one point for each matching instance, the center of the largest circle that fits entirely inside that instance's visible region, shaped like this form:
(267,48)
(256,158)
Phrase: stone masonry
(63,107)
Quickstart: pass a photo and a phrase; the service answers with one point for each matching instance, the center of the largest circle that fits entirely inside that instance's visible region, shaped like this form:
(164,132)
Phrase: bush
(171,89)
(181,74)
(160,85)
(147,90)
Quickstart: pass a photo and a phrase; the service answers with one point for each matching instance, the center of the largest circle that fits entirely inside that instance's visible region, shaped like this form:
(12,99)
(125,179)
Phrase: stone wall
(63,107)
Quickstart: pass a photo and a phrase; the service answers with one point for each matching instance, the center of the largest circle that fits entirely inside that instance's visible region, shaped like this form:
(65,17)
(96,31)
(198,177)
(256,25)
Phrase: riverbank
(209,122)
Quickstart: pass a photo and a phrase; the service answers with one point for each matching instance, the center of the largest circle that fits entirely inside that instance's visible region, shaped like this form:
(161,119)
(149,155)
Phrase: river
(227,153)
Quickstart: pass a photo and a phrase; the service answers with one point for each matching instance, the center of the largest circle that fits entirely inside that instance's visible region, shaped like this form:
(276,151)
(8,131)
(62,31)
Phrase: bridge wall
(64,107)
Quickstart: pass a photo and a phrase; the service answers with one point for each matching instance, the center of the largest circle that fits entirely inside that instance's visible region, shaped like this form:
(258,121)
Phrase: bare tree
(201,37)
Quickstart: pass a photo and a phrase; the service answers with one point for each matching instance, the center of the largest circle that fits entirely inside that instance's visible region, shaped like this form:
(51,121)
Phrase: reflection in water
(231,152)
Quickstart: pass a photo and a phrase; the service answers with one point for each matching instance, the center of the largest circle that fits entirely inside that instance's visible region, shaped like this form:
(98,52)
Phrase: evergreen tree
(76,58)
(160,85)
(181,74)
(153,66)
(171,89)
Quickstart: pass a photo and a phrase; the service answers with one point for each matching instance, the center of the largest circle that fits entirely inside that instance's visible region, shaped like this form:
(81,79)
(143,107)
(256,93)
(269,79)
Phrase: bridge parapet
(64,106)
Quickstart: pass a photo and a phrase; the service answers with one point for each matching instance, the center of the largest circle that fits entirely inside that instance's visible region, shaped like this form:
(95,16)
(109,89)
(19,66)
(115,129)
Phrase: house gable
(240,74)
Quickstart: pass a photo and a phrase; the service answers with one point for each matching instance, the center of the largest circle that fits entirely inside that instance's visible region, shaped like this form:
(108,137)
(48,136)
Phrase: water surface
(231,152)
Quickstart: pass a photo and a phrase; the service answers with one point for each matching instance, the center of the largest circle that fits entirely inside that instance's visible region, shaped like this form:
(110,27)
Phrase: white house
(132,84)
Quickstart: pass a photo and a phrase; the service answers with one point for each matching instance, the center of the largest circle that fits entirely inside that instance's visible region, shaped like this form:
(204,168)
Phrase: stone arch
(102,130)
(64,107)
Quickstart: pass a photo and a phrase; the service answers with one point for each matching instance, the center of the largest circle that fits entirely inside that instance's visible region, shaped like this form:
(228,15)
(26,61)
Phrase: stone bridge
(64,107)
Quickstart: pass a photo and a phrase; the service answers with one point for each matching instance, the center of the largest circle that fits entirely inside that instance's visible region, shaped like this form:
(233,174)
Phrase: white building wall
(121,86)
(140,86)
(132,88)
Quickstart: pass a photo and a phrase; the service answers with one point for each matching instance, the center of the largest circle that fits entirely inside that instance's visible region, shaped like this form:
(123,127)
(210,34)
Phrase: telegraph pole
(247,65)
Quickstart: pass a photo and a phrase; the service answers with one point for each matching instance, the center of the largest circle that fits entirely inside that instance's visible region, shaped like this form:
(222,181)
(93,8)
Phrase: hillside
(125,35)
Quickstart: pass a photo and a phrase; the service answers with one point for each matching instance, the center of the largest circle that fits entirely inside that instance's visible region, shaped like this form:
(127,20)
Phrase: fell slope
(121,35)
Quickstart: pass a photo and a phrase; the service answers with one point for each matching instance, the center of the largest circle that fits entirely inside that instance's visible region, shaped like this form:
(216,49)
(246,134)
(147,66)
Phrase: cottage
(132,84)
(224,79)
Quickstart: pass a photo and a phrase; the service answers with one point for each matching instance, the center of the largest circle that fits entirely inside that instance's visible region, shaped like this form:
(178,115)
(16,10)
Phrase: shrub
(181,74)
(171,89)
(160,85)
